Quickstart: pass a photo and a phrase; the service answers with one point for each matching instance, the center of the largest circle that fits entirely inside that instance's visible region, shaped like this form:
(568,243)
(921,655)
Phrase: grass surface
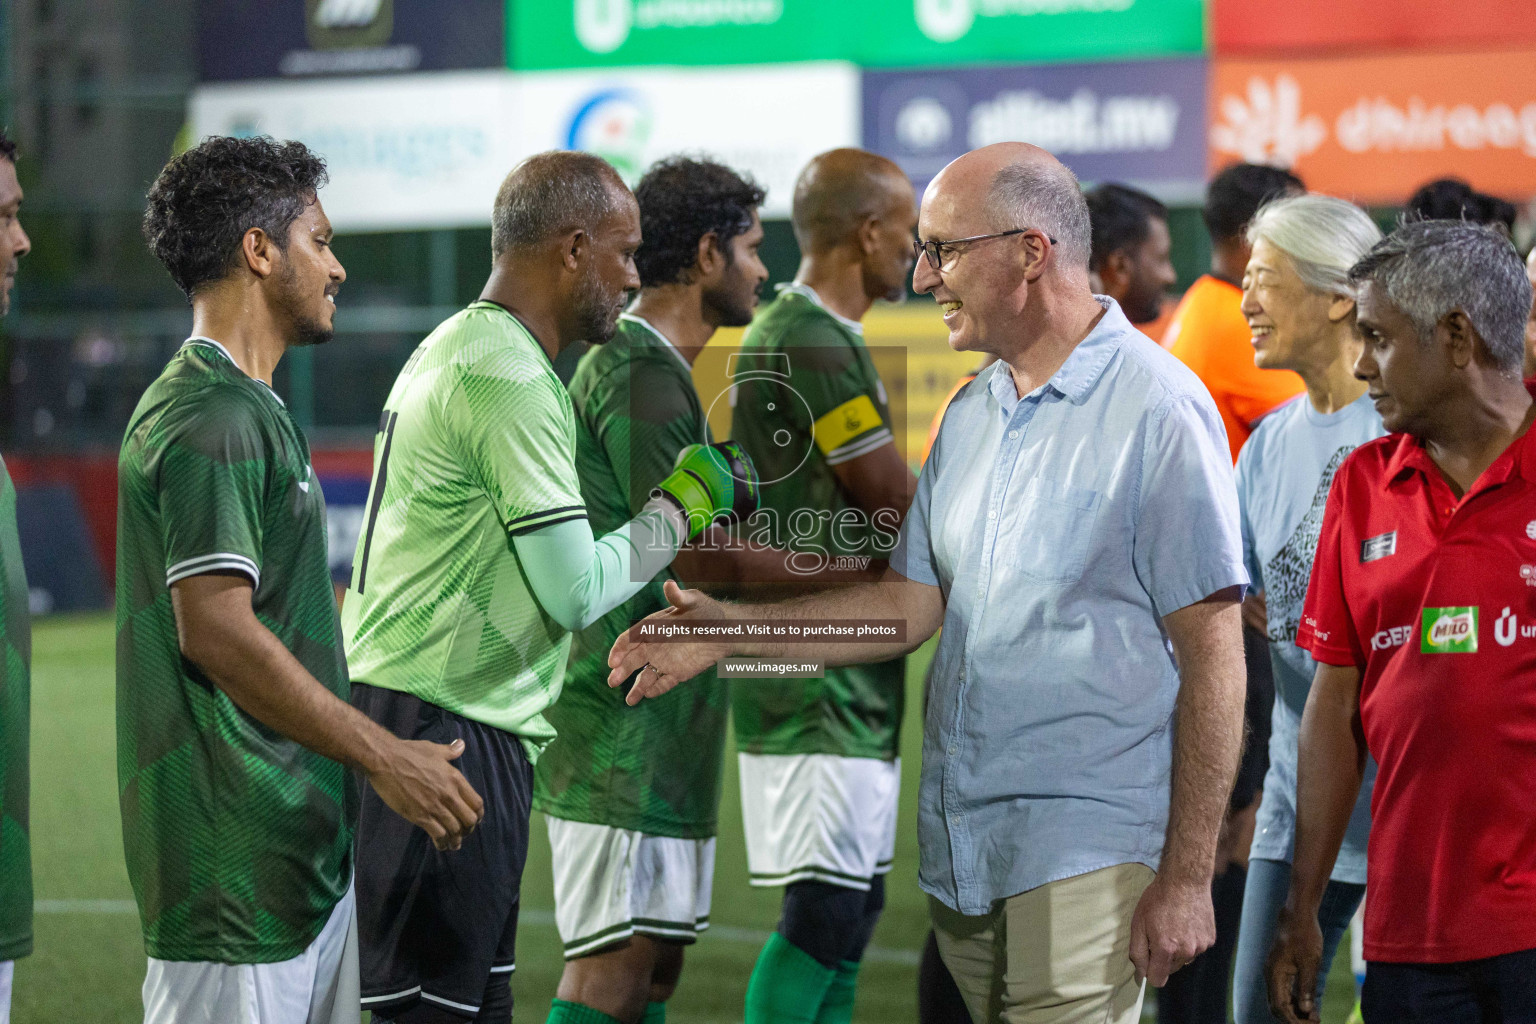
(89,961)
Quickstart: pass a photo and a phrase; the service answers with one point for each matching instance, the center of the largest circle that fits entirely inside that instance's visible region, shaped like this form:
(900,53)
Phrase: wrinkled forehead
(1374,309)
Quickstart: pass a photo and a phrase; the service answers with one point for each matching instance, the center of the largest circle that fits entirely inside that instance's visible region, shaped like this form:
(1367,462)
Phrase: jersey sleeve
(515,431)
(642,418)
(1188,544)
(840,392)
(211,484)
(1326,629)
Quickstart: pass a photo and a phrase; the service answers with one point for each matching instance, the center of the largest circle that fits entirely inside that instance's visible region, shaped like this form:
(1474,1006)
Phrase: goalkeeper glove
(711,483)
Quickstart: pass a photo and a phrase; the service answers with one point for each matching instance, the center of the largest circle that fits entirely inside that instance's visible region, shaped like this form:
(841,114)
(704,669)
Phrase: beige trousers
(1058,953)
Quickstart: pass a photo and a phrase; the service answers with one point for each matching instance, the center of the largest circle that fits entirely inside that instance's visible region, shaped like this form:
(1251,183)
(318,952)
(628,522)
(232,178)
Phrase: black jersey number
(380,480)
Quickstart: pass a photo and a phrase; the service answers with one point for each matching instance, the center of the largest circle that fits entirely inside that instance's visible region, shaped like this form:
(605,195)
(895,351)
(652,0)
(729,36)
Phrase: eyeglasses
(942,254)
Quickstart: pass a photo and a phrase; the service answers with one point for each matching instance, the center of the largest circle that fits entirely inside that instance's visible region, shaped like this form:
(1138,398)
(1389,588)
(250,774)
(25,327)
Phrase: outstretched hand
(666,663)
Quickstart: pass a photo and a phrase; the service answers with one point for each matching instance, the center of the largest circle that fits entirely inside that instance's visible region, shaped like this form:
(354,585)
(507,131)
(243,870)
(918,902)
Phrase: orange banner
(1375,128)
(1256,26)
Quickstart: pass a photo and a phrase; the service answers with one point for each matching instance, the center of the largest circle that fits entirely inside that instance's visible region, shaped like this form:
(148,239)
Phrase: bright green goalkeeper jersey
(807,399)
(476,445)
(239,840)
(15,726)
(655,767)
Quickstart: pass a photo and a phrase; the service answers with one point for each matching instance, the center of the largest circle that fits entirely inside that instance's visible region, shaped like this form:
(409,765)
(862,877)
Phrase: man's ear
(1033,250)
(259,251)
(1115,270)
(575,247)
(869,236)
(710,258)
(1460,338)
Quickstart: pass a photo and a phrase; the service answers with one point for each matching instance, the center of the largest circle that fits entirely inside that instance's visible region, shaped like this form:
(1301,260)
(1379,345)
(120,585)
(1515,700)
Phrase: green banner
(876,33)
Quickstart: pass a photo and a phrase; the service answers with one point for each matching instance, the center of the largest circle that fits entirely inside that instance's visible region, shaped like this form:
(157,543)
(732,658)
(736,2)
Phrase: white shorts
(611,883)
(819,817)
(319,986)
(7,974)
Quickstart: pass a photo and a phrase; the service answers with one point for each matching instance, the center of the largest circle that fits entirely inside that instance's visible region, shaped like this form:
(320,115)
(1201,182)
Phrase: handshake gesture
(661,666)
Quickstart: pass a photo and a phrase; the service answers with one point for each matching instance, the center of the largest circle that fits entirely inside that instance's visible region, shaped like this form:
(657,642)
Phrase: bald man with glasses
(1075,533)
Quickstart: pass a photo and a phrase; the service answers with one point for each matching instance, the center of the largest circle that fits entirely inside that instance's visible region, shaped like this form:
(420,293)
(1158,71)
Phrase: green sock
(655,1013)
(837,1005)
(562,1012)
(787,986)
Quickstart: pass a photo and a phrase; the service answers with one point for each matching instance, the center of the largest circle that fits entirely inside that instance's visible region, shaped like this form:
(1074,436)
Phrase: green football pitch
(89,960)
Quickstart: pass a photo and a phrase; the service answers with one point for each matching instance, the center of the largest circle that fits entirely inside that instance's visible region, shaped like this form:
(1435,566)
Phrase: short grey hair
(1429,268)
(552,193)
(1046,197)
(1323,236)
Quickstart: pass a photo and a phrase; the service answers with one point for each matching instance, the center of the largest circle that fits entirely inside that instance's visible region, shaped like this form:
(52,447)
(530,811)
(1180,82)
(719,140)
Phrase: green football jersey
(476,445)
(15,729)
(239,840)
(831,409)
(655,767)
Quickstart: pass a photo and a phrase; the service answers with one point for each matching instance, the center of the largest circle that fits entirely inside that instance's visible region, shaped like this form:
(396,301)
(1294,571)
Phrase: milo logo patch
(1449,631)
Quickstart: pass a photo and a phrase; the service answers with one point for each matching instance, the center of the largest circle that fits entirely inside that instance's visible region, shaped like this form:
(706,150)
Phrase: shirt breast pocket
(1052,532)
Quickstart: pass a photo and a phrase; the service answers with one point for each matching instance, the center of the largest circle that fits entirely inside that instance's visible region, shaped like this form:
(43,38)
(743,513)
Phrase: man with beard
(632,799)
(1131,250)
(15,676)
(819,769)
(234,734)
(475,564)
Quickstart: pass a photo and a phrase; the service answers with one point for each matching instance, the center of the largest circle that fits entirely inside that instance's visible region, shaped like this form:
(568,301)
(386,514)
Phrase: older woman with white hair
(1301,309)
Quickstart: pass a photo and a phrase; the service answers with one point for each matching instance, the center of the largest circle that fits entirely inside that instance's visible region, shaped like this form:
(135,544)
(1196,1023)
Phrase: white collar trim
(806,291)
(198,339)
(643,322)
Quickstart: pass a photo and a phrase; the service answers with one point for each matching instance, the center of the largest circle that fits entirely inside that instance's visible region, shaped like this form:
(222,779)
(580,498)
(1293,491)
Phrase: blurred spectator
(1208,331)
(1530,324)
(1454,199)
(1131,249)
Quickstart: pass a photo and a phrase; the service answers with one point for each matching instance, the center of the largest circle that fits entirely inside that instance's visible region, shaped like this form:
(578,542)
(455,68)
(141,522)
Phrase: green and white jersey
(656,767)
(831,409)
(476,445)
(15,728)
(239,840)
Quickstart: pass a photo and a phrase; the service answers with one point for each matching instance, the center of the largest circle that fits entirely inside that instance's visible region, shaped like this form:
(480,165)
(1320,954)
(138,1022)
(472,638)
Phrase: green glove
(711,483)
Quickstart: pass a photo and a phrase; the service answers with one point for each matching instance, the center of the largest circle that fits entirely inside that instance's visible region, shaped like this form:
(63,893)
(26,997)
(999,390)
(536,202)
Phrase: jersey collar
(198,339)
(805,291)
(643,322)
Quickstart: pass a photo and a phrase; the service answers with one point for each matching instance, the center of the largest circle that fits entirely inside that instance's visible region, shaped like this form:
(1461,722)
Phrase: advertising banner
(1375,128)
(1253,28)
(1137,122)
(881,33)
(298,38)
(417,151)
(768,121)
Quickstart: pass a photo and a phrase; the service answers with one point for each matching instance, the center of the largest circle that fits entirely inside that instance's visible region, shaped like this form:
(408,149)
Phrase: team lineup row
(325,813)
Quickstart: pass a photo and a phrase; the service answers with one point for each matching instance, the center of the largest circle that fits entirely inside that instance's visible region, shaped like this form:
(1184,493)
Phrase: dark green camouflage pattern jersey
(655,767)
(238,839)
(15,727)
(831,409)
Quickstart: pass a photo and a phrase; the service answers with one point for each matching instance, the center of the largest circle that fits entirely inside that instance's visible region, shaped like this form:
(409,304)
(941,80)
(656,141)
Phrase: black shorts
(434,926)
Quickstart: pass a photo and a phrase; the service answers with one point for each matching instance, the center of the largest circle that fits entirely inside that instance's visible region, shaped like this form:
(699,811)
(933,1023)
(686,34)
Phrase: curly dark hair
(682,199)
(1454,199)
(7,147)
(206,199)
(1236,194)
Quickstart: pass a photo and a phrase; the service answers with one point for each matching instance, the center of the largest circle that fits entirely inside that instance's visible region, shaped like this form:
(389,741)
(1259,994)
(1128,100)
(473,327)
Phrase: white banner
(429,150)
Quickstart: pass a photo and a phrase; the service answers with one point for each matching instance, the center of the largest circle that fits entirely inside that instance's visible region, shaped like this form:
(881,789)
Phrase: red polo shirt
(1434,599)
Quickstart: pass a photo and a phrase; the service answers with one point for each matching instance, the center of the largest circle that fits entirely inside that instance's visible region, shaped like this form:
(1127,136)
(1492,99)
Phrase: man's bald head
(1016,185)
(839,191)
(552,194)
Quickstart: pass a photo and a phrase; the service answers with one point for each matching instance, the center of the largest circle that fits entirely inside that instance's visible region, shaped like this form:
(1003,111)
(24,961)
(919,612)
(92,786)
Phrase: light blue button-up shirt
(1060,527)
